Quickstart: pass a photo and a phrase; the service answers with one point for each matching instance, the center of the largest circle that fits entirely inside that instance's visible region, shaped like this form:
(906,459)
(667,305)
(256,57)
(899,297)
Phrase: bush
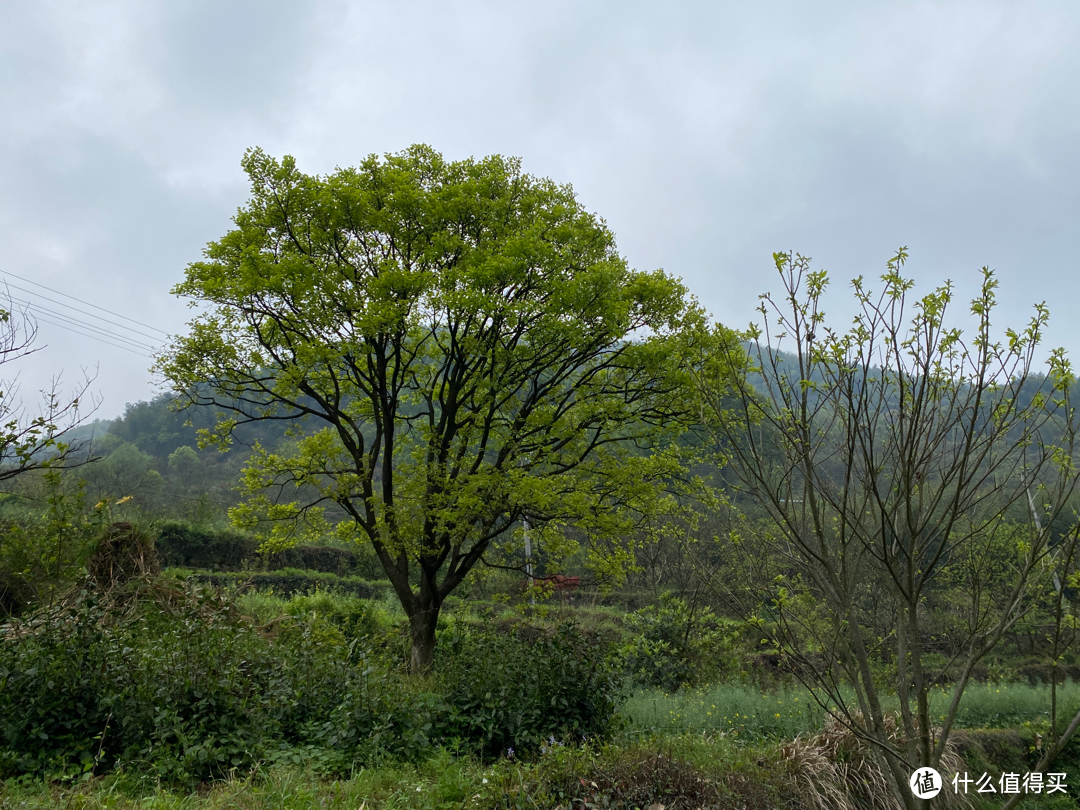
(492,692)
(185,545)
(185,687)
(325,559)
(43,549)
(206,696)
(505,691)
(54,700)
(290,582)
(383,716)
(355,617)
(678,644)
(181,685)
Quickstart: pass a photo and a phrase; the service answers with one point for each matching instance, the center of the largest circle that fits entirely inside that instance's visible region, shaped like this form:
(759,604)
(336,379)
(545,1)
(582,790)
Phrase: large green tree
(463,344)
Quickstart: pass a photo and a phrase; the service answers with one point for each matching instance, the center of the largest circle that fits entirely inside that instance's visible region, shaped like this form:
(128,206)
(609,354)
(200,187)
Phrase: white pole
(528,558)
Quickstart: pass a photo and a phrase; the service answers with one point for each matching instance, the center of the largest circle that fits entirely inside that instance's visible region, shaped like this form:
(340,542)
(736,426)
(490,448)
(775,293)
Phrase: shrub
(44,550)
(383,716)
(506,691)
(289,582)
(54,699)
(180,684)
(325,559)
(185,687)
(678,644)
(24,567)
(204,697)
(355,617)
(185,545)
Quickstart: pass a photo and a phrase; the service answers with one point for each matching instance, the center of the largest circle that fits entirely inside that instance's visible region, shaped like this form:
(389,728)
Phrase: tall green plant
(678,643)
(44,546)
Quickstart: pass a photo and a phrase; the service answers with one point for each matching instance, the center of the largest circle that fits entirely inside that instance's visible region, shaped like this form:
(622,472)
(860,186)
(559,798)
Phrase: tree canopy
(465,346)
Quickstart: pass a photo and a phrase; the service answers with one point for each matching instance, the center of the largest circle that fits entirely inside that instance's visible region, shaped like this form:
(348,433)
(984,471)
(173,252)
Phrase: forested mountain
(150,454)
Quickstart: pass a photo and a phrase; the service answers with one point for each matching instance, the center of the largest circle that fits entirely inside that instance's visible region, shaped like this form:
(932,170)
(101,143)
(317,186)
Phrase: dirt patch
(660,782)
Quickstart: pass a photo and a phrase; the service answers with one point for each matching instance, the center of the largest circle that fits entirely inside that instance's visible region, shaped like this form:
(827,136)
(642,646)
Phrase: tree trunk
(422,630)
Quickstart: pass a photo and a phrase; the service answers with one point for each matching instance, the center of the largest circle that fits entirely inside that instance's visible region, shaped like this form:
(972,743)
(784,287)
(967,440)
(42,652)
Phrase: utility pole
(528,558)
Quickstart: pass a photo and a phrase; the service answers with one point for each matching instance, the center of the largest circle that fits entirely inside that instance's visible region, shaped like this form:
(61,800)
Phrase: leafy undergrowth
(675,773)
(823,771)
(176,682)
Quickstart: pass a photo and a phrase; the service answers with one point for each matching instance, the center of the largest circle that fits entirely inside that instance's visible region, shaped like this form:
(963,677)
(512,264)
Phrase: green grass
(684,770)
(441,783)
(264,606)
(741,711)
(732,710)
(1012,705)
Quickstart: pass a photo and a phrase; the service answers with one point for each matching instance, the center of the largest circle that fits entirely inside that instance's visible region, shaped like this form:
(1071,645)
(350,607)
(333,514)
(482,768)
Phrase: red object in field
(554,582)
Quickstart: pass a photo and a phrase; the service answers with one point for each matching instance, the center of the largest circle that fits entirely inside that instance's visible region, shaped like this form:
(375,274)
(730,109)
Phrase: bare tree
(893,462)
(35,442)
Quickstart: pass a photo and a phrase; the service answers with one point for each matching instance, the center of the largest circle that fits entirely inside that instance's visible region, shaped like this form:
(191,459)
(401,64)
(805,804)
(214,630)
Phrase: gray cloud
(707,134)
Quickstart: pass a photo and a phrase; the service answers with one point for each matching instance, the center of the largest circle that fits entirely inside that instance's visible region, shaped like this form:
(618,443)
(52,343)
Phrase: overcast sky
(708,135)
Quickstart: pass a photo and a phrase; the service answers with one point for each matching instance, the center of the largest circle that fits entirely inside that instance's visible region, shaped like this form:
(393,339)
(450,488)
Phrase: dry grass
(839,770)
(123,553)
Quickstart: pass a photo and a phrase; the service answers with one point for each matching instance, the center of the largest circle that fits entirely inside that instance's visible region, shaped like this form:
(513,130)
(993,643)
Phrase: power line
(85,303)
(104,337)
(80,327)
(95,337)
(94,332)
(76,309)
(33,308)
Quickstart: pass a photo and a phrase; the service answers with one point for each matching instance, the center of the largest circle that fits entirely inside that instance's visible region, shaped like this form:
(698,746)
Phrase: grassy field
(748,713)
(728,709)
